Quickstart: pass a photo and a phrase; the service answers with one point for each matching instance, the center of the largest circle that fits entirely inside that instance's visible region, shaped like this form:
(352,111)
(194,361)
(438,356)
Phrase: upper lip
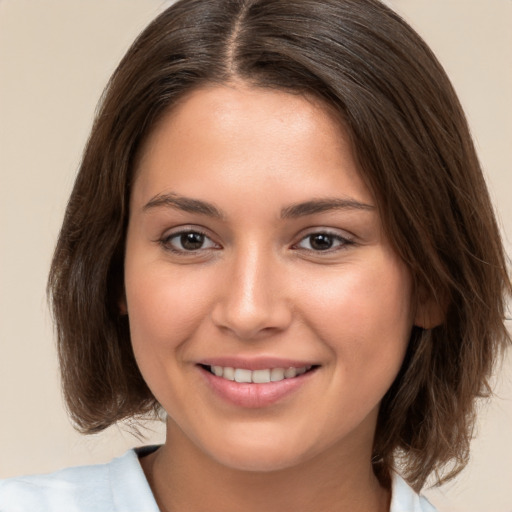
(255,363)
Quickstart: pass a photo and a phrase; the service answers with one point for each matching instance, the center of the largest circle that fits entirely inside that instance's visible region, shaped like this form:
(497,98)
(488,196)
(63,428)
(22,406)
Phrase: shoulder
(70,489)
(117,485)
(405,499)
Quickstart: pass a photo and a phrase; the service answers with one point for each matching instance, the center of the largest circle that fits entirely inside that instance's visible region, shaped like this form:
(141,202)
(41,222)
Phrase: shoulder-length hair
(415,153)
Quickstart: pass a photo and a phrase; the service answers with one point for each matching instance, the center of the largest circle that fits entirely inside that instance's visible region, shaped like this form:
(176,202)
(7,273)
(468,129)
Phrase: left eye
(322,242)
(188,241)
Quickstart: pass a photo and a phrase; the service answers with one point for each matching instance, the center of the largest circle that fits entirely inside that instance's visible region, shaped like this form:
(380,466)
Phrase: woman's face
(255,252)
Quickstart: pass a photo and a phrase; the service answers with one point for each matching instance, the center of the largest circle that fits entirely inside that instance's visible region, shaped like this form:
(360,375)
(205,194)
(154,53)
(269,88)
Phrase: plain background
(55,58)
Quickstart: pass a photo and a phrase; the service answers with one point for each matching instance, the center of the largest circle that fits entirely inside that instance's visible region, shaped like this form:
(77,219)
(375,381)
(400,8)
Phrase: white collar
(405,499)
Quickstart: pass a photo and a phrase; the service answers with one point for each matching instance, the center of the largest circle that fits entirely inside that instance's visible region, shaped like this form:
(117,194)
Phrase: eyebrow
(296,210)
(187,204)
(323,205)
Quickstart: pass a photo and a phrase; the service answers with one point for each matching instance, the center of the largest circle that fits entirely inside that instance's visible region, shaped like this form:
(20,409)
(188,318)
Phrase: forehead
(225,107)
(241,133)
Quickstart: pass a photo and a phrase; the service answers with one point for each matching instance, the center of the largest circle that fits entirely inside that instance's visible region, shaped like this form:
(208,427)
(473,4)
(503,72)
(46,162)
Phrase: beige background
(55,58)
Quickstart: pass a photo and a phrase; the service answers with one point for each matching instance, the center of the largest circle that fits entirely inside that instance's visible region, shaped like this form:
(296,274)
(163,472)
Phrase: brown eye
(192,241)
(187,241)
(323,241)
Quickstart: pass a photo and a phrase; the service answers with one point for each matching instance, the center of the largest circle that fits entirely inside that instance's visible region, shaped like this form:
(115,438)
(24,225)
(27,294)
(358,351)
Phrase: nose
(253,302)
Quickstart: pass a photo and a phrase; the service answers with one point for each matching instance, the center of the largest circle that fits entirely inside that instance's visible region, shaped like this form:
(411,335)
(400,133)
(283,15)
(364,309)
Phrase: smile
(243,375)
(267,383)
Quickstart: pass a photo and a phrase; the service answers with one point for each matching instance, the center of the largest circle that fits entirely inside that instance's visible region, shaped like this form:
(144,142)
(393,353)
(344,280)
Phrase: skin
(258,286)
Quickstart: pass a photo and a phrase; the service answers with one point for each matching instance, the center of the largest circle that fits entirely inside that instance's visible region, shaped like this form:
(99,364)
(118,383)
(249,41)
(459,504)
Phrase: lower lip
(253,396)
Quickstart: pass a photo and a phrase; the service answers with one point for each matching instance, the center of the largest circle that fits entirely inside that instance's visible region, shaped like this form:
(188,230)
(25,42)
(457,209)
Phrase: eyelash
(166,242)
(339,242)
(343,242)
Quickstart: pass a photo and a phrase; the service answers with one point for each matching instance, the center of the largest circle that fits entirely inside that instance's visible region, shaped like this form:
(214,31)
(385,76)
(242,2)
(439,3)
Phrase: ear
(430,311)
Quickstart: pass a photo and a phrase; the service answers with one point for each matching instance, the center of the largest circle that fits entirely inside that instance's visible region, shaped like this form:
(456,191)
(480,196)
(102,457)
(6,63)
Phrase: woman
(280,235)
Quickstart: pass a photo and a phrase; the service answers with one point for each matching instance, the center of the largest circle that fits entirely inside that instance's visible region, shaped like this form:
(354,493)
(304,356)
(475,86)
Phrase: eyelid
(168,235)
(345,239)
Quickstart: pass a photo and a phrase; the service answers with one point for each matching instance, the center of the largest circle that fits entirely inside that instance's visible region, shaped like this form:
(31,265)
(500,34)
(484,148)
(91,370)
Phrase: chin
(257,461)
(259,453)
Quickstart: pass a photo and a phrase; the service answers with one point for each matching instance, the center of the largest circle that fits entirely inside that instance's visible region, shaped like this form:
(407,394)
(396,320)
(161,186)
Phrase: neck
(184,479)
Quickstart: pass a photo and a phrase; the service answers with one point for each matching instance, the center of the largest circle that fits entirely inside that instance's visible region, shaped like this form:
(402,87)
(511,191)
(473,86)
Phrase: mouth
(256,383)
(261,376)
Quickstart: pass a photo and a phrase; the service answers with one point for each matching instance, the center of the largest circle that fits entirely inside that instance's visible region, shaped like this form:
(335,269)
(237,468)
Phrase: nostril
(251,321)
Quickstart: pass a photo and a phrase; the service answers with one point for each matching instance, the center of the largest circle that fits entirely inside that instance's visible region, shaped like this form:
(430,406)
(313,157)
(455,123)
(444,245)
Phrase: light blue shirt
(121,486)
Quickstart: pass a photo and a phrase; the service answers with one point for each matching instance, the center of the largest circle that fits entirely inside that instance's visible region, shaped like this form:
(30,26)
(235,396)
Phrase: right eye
(188,241)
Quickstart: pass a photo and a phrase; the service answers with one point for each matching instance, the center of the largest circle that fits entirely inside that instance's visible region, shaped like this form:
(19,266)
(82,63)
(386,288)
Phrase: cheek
(165,311)
(165,308)
(364,314)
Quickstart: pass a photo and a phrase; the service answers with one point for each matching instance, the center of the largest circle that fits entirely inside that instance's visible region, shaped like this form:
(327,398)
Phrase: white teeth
(258,376)
(261,376)
(217,370)
(276,374)
(229,373)
(289,373)
(242,375)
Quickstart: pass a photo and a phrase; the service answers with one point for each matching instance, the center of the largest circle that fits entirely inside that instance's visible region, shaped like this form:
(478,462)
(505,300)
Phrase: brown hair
(415,152)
